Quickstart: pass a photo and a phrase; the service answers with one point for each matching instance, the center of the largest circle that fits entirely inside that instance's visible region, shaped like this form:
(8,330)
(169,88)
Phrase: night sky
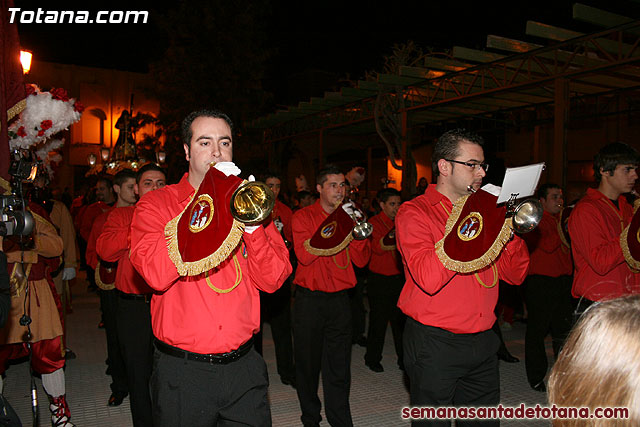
(327,37)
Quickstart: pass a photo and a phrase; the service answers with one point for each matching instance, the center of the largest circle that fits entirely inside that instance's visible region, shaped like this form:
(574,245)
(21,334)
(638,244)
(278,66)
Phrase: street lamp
(25,60)
(162,156)
(104,153)
(92,159)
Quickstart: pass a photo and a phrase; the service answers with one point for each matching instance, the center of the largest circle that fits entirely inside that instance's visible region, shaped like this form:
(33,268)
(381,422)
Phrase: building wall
(105,93)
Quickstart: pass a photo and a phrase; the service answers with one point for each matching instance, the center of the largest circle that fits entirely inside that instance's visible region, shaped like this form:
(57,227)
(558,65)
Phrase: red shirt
(595,225)
(91,255)
(283,212)
(549,256)
(185,311)
(324,273)
(113,246)
(383,261)
(89,215)
(464,305)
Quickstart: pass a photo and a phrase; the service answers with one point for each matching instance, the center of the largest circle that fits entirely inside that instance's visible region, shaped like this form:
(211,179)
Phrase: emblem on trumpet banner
(470,227)
(329,230)
(201,213)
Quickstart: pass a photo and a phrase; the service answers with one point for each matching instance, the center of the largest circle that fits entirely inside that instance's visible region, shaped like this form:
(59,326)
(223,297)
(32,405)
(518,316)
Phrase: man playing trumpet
(204,312)
(449,347)
(324,246)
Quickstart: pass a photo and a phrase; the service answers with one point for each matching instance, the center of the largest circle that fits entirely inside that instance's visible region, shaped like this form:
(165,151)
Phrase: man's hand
(69,273)
(349,209)
(228,168)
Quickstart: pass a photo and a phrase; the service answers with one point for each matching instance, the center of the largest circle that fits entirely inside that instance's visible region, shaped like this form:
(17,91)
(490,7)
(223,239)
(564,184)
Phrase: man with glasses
(449,347)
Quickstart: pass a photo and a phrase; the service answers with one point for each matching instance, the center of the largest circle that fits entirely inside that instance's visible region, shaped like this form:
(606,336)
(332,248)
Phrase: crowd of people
(186,287)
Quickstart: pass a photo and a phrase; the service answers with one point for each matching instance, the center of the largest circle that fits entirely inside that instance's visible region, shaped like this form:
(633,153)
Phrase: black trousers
(275,309)
(115,362)
(383,292)
(322,342)
(136,346)
(358,312)
(550,309)
(198,394)
(447,369)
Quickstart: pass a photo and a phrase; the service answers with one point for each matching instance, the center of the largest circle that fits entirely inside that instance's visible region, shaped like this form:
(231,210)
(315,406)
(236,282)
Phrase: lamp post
(92,159)
(162,156)
(104,153)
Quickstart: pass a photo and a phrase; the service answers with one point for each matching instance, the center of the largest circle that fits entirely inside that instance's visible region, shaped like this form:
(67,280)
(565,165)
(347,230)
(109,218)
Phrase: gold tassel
(330,251)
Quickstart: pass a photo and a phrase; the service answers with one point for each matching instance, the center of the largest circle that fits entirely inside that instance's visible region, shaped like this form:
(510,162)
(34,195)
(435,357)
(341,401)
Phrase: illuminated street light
(92,159)
(104,153)
(25,60)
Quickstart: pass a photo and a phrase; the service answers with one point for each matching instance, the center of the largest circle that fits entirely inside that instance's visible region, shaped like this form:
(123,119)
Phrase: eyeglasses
(474,166)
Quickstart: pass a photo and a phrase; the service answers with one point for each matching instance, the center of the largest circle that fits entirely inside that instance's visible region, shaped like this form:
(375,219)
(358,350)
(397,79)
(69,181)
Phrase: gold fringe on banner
(330,251)
(479,263)
(100,283)
(194,268)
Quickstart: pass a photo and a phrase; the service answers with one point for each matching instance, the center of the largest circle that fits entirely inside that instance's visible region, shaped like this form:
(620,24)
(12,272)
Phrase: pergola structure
(575,74)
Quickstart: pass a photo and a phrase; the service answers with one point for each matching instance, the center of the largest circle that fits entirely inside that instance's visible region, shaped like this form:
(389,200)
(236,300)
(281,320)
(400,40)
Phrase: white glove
(251,228)
(279,225)
(251,178)
(228,168)
(348,208)
(69,273)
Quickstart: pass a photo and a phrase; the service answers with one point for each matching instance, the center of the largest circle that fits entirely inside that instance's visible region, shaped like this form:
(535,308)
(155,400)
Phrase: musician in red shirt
(205,369)
(124,187)
(548,287)
(133,316)
(449,347)
(276,307)
(385,282)
(595,225)
(322,309)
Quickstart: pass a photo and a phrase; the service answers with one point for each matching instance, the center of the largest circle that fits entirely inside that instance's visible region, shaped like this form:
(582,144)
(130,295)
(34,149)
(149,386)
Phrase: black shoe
(375,366)
(288,381)
(69,354)
(116,399)
(361,341)
(540,387)
(508,357)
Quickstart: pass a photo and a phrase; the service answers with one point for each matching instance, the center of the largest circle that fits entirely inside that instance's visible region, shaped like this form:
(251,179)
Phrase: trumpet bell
(527,216)
(252,202)
(362,230)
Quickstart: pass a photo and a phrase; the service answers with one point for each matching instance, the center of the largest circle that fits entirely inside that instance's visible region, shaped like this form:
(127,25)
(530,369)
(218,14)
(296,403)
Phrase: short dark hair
(187,133)
(448,146)
(543,190)
(384,194)
(122,176)
(612,155)
(146,168)
(329,169)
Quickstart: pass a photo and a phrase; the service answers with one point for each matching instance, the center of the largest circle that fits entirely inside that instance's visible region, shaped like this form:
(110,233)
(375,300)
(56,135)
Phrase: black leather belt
(214,358)
(136,297)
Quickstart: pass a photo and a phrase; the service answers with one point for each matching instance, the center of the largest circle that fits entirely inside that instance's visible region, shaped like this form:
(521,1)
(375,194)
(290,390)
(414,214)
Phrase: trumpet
(362,229)
(526,215)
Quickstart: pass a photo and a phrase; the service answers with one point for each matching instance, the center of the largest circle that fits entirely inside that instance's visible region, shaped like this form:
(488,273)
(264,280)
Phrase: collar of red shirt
(594,193)
(184,188)
(434,196)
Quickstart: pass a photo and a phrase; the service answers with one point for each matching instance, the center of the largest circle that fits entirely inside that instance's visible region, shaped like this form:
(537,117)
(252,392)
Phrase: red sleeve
(149,253)
(379,231)
(589,237)
(416,236)
(302,228)
(113,242)
(268,259)
(360,252)
(513,262)
(91,256)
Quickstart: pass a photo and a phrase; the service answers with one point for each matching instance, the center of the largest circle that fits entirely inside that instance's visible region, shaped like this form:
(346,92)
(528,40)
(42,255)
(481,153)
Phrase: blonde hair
(599,365)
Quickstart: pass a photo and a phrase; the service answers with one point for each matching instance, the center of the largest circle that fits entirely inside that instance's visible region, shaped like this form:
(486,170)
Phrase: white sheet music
(522,181)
